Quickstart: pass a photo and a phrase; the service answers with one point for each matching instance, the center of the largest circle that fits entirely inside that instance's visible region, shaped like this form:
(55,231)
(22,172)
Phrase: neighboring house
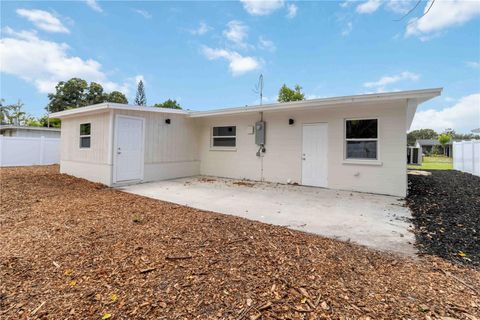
(351,143)
(9,130)
(427,147)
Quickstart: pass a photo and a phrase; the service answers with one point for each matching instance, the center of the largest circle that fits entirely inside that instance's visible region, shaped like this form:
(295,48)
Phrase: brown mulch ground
(71,249)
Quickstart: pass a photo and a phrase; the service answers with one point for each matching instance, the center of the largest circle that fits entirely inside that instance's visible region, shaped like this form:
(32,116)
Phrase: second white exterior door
(128,150)
(315,155)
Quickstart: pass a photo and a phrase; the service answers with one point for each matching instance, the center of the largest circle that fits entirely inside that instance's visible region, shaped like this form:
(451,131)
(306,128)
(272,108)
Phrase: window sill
(363,162)
(222,149)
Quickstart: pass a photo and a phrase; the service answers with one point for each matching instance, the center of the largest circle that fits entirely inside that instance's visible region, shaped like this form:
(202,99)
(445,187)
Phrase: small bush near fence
(23,151)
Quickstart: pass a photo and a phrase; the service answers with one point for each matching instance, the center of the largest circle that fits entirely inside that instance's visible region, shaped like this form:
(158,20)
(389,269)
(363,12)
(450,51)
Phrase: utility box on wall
(260,133)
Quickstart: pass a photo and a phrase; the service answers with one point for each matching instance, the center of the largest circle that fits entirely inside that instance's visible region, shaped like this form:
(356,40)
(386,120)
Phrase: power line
(423,15)
(259,88)
(410,11)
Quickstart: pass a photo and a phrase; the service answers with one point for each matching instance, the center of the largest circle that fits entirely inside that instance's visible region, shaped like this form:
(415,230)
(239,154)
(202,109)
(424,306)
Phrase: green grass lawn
(434,163)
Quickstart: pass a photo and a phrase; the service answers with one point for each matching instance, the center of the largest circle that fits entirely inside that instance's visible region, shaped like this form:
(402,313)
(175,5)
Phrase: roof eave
(419,95)
(112,106)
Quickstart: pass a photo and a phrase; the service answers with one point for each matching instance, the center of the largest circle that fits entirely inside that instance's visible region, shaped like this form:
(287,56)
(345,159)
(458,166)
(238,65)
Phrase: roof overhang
(413,98)
(102,107)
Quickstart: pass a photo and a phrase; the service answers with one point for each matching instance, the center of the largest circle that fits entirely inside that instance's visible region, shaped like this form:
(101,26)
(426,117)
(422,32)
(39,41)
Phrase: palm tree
(4,112)
(443,139)
(12,114)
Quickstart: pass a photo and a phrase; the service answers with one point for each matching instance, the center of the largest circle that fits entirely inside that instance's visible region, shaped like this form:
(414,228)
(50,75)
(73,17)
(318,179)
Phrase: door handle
(118,151)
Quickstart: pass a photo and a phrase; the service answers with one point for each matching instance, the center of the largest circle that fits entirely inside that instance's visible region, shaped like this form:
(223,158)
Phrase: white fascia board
(113,106)
(412,105)
(419,95)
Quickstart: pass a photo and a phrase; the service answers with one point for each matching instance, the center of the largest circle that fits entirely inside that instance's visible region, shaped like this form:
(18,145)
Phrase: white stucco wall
(171,150)
(91,163)
(282,160)
(182,148)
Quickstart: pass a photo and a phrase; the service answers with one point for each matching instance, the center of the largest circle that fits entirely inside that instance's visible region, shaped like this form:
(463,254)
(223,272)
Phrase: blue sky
(209,54)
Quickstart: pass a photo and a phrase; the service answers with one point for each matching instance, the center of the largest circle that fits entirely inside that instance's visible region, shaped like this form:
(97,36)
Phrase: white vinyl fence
(23,151)
(466,156)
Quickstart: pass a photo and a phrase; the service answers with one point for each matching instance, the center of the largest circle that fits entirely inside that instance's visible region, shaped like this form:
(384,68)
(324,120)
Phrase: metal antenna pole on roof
(259,88)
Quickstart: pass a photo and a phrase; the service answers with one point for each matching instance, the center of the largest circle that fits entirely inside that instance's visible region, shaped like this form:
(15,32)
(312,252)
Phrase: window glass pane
(362,129)
(224,131)
(84,142)
(224,142)
(361,149)
(85,129)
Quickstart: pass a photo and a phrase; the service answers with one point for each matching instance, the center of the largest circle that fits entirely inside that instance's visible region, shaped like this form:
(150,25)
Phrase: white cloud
(44,63)
(202,29)
(473,64)
(369,6)
(143,13)
(261,7)
(291,11)
(137,79)
(265,44)
(400,6)
(313,96)
(43,20)
(462,116)
(236,33)
(238,64)
(348,28)
(94,5)
(347,3)
(443,14)
(386,80)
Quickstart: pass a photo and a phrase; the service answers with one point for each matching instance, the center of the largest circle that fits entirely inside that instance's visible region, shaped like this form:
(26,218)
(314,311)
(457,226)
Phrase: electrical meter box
(260,133)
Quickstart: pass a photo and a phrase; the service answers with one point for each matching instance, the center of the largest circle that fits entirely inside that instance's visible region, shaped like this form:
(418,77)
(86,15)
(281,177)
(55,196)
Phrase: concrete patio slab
(377,221)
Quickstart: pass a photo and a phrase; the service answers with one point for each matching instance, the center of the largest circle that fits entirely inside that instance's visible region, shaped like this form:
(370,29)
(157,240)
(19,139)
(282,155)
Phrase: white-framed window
(224,137)
(85,135)
(361,139)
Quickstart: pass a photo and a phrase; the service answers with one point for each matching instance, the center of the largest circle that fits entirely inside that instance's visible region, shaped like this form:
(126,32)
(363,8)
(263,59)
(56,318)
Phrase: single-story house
(351,143)
(9,130)
(427,146)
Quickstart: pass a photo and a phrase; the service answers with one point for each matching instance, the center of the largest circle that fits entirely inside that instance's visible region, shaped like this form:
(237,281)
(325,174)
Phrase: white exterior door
(314,154)
(128,152)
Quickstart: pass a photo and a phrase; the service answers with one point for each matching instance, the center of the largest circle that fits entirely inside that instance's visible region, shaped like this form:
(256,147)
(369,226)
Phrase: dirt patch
(74,249)
(446,213)
(419,173)
(244,183)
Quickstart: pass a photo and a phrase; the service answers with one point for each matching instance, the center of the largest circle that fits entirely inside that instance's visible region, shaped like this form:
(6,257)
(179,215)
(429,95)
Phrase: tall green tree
(68,94)
(94,94)
(171,104)
(17,116)
(116,97)
(45,121)
(76,93)
(140,98)
(414,135)
(286,94)
(444,139)
(13,113)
